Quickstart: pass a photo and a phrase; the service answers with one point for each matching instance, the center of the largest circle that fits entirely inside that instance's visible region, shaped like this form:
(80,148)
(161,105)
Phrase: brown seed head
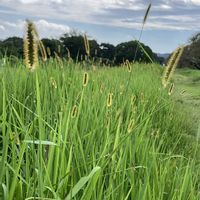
(171,89)
(85,79)
(74,111)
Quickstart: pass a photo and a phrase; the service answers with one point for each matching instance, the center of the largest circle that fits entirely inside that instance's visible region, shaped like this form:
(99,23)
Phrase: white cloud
(28,1)
(2,28)
(51,29)
(175,18)
(164,6)
(197,2)
(52,16)
(105,12)
(45,28)
(38,1)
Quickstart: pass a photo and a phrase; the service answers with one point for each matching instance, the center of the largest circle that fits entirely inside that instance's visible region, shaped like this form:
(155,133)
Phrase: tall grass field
(70,132)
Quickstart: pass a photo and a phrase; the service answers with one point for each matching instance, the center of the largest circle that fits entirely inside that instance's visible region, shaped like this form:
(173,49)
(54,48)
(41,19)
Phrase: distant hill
(162,57)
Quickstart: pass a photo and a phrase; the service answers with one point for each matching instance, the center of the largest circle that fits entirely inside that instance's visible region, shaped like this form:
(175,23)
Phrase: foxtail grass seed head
(68,53)
(128,65)
(59,49)
(85,79)
(171,89)
(87,45)
(131,125)
(171,65)
(74,111)
(110,99)
(60,62)
(183,92)
(146,14)
(42,50)
(31,46)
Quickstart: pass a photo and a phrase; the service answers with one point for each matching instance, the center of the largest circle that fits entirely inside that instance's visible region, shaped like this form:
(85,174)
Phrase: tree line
(72,46)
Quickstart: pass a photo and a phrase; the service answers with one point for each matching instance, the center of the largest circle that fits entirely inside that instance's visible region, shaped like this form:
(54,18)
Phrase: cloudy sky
(171,22)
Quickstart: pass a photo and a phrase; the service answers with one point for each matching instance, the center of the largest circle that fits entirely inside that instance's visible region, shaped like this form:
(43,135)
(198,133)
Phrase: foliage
(12,46)
(130,51)
(54,45)
(73,45)
(191,56)
(107,51)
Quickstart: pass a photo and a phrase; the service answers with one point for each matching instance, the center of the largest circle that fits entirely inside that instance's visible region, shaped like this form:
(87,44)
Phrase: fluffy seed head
(31,46)
(42,50)
(171,89)
(74,111)
(87,45)
(59,60)
(128,65)
(183,92)
(146,14)
(68,53)
(171,65)
(59,49)
(85,79)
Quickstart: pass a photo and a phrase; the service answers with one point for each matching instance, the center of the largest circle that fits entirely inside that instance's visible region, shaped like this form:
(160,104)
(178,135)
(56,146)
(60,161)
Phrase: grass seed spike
(171,65)
(31,46)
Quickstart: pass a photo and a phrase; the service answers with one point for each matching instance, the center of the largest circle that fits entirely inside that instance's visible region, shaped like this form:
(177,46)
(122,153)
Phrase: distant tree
(76,47)
(73,43)
(54,45)
(94,48)
(195,38)
(12,46)
(107,51)
(129,51)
